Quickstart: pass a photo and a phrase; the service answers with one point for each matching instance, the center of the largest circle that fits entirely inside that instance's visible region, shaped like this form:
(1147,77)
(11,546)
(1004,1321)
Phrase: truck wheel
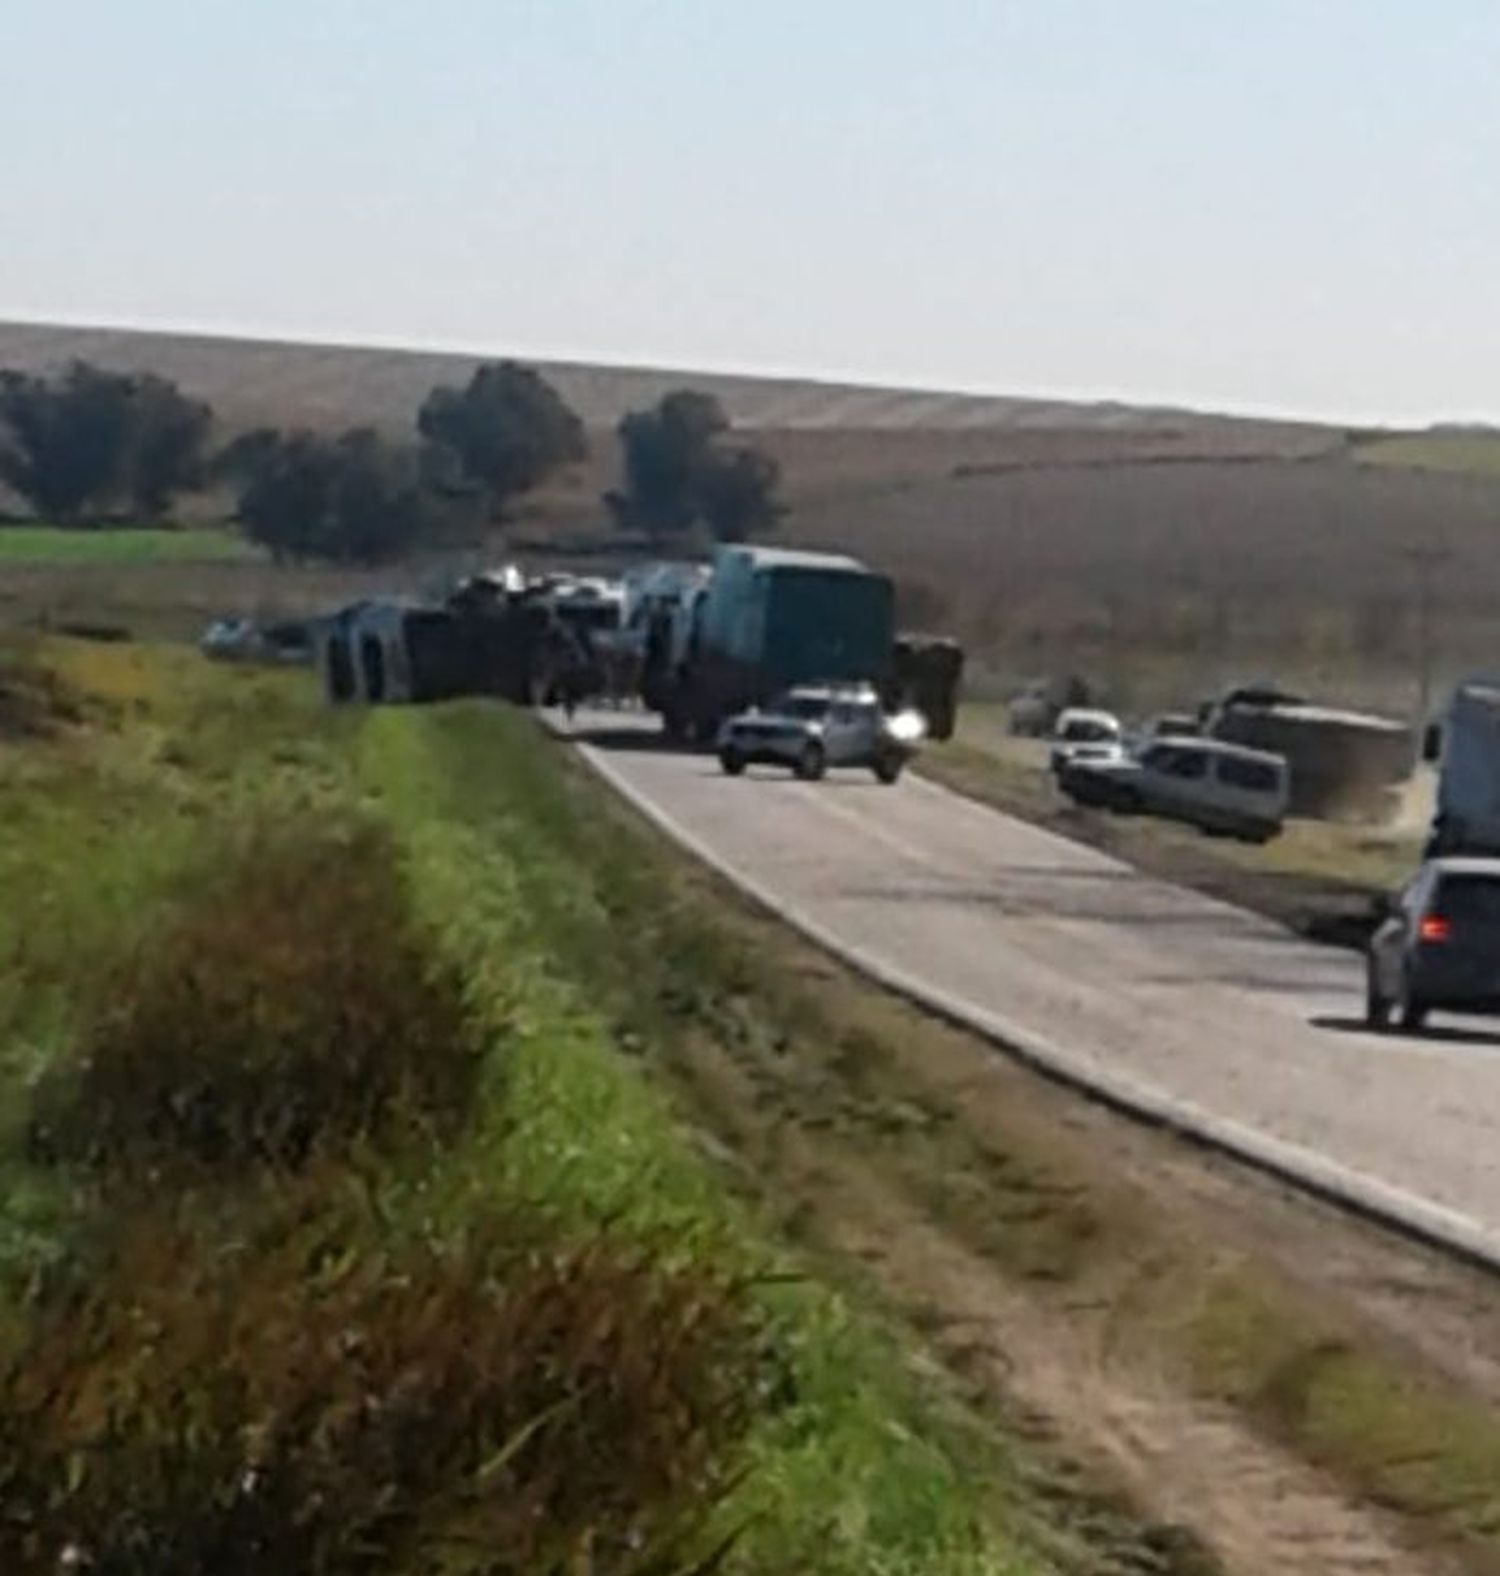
(812,762)
(888,768)
(732,762)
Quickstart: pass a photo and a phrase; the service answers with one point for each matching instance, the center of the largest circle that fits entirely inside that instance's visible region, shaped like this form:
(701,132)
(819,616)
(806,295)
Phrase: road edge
(1301,1168)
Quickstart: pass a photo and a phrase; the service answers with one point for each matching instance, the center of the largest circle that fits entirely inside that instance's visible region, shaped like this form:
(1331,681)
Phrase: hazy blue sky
(1277,204)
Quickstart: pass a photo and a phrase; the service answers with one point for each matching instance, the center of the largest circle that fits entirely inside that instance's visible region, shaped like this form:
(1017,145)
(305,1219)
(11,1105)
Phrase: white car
(812,728)
(1084,734)
(1226,790)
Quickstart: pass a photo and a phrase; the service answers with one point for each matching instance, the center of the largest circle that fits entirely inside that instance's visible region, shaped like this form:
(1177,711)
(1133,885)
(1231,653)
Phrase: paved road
(1141,979)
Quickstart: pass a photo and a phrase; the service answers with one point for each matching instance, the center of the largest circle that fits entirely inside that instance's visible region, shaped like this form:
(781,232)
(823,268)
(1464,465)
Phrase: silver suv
(812,728)
(1437,946)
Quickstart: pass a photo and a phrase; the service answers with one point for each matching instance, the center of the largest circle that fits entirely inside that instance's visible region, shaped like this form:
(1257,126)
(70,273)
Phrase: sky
(1286,206)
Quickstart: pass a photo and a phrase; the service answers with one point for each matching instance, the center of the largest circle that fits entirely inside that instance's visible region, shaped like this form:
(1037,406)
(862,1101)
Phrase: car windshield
(808,707)
(1088,730)
(1471,899)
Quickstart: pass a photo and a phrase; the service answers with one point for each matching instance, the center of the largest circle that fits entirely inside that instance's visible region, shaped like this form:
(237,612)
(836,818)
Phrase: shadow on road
(1442,1035)
(624,740)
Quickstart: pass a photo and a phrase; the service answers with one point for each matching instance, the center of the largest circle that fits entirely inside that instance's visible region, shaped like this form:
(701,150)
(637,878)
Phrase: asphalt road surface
(1182,994)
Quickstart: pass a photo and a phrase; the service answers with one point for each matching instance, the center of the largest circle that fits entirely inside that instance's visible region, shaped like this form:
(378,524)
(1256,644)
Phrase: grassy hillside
(250,382)
(1466,453)
(489,1300)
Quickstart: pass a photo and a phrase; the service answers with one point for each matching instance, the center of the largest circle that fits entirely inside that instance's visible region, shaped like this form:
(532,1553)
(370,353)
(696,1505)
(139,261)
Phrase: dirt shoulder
(1213,1372)
(1316,879)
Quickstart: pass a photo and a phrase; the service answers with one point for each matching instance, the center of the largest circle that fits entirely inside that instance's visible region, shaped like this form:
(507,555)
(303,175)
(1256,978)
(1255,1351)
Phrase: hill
(1160,551)
(254,381)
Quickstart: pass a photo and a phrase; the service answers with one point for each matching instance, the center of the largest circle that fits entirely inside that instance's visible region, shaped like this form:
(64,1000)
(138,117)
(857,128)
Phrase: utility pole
(1426,559)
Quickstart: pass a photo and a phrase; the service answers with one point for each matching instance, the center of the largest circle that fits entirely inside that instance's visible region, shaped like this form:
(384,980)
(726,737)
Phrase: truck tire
(887,768)
(812,762)
(732,762)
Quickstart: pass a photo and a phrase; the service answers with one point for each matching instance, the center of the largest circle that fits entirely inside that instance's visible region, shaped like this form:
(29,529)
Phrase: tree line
(90,445)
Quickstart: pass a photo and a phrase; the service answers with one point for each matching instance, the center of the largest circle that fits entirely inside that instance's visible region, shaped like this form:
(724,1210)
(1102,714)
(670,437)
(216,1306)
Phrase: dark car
(1437,946)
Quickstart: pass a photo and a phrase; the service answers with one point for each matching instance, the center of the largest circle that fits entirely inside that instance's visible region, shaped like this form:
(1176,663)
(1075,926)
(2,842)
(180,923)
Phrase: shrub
(34,700)
(289,1003)
(298,1407)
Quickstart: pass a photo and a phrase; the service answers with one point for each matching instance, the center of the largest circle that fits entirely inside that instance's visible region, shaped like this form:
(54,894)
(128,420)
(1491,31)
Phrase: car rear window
(1469,899)
(1258,776)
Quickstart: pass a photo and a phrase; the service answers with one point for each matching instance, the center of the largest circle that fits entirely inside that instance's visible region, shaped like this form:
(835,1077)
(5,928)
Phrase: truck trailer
(767,619)
(1466,746)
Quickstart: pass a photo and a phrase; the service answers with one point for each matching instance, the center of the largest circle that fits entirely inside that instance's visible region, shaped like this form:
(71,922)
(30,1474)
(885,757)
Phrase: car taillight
(1434,928)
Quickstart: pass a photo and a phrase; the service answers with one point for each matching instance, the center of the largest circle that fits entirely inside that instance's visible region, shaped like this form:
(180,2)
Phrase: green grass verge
(660,956)
(852,1462)
(1472,453)
(49,544)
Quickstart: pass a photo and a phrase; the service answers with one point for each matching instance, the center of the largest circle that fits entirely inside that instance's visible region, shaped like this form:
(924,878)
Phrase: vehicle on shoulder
(1436,946)
(815,727)
(1172,725)
(1225,790)
(1085,734)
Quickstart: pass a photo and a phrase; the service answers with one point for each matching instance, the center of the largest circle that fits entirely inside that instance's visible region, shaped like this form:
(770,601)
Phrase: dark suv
(1437,945)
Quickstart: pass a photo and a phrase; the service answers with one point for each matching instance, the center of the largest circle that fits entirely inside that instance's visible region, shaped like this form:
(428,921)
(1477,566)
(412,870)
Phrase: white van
(1227,790)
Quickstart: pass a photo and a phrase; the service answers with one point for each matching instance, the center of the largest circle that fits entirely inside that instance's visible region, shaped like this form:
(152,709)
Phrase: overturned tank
(481,641)
(1342,762)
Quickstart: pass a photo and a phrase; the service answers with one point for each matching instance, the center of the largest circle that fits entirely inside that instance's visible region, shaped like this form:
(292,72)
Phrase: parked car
(1083,734)
(1437,946)
(1034,712)
(1172,725)
(231,639)
(1225,790)
(812,728)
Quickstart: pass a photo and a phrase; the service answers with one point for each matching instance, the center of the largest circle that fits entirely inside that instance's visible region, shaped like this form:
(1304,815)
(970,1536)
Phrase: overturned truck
(482,640)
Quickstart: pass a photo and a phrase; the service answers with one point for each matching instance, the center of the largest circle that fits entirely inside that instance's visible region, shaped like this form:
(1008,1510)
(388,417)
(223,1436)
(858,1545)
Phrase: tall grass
(314,1400)
(287,1006)
(424,1274)
(34,699)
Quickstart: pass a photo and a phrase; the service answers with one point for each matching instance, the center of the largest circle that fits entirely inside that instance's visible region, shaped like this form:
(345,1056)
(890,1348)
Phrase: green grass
(847,1463)
(54,545)
(1474,453)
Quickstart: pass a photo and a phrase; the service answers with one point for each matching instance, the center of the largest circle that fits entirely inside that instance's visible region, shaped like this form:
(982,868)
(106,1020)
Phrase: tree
(93,440)
(169,444)
(65,445)
(350,499)
(663,450)
(676,476)
(503,434)
(737,494)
